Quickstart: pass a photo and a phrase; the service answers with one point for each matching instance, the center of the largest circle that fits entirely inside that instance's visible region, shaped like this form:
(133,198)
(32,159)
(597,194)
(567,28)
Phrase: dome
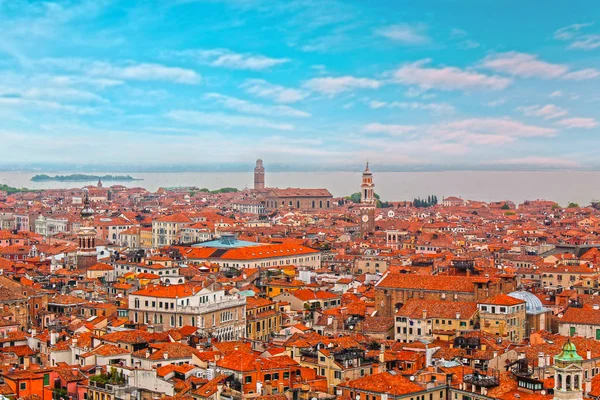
(568,353)
(533,305)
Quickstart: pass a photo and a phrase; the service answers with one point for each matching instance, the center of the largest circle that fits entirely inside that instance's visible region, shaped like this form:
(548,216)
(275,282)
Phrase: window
(22,386)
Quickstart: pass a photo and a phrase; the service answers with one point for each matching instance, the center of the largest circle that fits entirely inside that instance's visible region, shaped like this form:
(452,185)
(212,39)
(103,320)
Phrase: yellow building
(262,318)
(438,319)
(278,286)
(146,238)
(503,316)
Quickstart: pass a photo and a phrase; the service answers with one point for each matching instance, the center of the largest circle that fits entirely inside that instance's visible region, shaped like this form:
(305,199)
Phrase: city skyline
(307,83)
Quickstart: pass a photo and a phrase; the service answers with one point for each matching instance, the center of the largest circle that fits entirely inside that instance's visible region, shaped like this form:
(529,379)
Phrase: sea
(564,187)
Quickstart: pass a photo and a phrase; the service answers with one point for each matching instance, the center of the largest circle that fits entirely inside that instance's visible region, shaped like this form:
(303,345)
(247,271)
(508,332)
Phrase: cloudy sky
(316,82)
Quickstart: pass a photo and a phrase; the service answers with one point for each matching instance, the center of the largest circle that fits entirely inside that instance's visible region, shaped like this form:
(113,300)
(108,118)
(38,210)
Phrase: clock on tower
(367,220)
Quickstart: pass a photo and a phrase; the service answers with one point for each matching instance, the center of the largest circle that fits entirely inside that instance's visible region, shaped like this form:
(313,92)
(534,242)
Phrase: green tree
(505,207)
(573,205)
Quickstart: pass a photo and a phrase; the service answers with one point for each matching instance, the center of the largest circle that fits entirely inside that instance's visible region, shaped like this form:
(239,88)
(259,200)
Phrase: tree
(505,207)
(354,197)
(573,205)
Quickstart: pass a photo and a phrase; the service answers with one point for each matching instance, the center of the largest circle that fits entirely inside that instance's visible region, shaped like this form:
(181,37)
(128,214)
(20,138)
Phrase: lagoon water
(560,186)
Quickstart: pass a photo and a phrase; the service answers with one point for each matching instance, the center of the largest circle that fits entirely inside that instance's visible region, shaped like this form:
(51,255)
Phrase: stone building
(299,199)
(395,289)
(213,312)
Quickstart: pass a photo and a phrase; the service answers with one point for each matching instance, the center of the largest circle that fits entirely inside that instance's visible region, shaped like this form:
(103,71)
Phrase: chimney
(166,355)
(589,354)
(541,360)
(424,314)
(548,359)
(457,315)
(596,307)
(147,354)
(382,355)
(588,386)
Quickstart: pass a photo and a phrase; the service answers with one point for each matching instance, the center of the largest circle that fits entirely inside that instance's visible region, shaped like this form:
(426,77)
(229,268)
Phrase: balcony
(481,380)
(227,302)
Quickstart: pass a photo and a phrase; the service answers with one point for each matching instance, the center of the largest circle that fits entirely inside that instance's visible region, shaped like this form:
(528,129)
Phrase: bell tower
(568,374)
(368,202)
(367,187)
(259,175)
(86,236)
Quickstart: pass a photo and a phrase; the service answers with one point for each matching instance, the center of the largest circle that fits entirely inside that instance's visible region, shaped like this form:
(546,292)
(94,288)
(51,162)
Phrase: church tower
(259,175)
(568,374)
(367,187)
(368,202)
(86,236)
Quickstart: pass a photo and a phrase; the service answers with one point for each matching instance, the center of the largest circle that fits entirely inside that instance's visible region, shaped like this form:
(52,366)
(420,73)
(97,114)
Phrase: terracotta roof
(427,282)
(384,382)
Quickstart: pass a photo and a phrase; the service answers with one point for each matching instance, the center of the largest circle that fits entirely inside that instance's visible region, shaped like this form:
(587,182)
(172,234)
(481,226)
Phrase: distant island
(13,190)
(82,178)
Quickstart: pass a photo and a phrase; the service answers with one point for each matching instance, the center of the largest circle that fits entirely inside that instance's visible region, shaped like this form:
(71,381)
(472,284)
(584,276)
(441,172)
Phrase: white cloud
(277,93)
(114,72)
(44,105)
(456,33)
(529,66)
(469,44)
(52,93)
(228,59)
(450,138)
(578,123)
(583,74)
(414,34)
(500,126)
(439,108)
(539,162)
(587,42)
(496,103)
(556,93)
(571,31)
(393,130)
(578,40)
(548,111)
(224,120)
(335,85)
(247,107)
(147,72)
(447,78)
(65,80)
(523,65)
(375,104)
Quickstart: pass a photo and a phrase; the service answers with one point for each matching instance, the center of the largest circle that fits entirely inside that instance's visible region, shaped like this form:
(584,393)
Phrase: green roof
(568,353)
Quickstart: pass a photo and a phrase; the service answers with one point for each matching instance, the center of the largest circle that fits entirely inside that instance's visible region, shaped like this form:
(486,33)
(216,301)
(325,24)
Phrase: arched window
(576,383)
(568,382)
(137,303)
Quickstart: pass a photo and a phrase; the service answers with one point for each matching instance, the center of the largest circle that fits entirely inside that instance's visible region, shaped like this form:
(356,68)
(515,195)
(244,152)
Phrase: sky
(319,83)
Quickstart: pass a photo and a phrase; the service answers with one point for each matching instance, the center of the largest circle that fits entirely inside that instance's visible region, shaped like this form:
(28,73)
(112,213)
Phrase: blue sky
(315,82)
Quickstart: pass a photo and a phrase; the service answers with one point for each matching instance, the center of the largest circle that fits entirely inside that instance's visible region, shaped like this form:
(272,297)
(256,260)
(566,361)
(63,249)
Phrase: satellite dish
(412,378)
(543,392)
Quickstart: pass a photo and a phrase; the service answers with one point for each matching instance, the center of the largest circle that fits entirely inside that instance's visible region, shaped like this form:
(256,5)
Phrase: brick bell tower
(368,202)
(86,255)
(259,175)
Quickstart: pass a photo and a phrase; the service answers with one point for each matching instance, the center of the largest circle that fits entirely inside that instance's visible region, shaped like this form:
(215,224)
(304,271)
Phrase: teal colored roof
(227,242)
(568,353)
(246,293)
